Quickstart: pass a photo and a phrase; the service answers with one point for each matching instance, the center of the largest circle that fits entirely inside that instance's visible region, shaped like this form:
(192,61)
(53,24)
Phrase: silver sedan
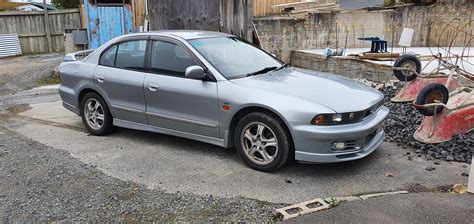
(219,89)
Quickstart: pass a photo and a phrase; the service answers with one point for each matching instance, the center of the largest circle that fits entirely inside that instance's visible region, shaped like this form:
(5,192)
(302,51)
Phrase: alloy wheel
(94,114)
(259,143)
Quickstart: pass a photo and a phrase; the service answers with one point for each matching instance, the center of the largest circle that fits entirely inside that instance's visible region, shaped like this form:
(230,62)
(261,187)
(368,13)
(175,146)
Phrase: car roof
(188,34)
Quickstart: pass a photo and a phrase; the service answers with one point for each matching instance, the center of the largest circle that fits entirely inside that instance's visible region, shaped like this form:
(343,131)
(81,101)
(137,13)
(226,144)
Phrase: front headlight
(327,119)
(335,119)
(346,118)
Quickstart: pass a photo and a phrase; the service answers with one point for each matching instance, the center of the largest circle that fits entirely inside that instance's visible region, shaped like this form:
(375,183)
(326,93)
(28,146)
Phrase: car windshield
(234,58)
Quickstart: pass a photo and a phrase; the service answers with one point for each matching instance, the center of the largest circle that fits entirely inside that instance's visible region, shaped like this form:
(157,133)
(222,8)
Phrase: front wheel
(262,141)
(96,115)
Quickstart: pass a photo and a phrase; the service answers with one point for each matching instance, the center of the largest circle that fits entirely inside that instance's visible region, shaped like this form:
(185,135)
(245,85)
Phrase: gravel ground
(20,73)
(404,119)
(43,184)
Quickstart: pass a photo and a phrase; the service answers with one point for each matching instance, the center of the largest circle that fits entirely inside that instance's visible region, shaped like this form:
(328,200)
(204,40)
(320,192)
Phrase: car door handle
(100,78)
(152,87)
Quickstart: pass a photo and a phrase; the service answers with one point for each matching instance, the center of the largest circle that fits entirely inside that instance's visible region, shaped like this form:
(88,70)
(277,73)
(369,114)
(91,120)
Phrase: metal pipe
(470,185)
(146,20)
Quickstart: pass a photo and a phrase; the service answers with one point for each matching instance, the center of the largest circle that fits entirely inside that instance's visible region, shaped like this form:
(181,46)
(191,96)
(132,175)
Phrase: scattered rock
(388,175)
(430,168)
(288,181)
(459,188)
(464,174)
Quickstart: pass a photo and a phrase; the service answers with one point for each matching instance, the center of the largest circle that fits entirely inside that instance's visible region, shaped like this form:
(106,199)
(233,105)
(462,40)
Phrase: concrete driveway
(176,164)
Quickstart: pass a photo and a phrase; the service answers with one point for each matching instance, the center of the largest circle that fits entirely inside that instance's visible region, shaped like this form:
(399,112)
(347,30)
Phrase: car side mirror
(195,72)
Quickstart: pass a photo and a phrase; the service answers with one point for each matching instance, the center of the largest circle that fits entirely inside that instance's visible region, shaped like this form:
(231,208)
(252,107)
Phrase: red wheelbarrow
(407,69)
(446,114)
(446,94)
(446,100)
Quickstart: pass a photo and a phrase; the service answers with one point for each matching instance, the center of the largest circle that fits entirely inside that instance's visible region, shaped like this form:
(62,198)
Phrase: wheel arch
(86,90)
(251,109)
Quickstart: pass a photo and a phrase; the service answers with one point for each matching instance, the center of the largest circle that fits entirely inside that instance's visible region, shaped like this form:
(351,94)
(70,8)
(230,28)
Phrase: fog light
(339,145)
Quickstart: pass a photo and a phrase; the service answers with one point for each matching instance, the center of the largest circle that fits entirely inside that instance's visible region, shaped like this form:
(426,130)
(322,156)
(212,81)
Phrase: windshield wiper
(261,71)
(282,67)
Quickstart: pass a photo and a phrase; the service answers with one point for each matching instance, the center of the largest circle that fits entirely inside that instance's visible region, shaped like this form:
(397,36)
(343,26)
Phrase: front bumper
(313,143)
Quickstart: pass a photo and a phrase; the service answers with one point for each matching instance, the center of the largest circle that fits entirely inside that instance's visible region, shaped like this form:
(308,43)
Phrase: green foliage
(333,202)
(66,4)
(49,80)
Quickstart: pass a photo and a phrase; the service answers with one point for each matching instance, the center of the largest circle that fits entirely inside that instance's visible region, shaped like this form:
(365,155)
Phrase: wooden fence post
(46,27)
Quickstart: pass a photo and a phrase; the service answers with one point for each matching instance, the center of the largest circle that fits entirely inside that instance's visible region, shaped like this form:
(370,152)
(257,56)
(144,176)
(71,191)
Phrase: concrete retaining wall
(348,67)
(281,35)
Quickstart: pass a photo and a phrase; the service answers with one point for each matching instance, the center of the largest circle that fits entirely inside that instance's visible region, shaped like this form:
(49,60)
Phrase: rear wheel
(262,141)
(410,62)
(432,93)
(96,115)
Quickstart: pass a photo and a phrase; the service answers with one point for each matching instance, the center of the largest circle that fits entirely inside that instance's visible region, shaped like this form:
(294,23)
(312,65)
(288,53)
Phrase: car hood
(336,92)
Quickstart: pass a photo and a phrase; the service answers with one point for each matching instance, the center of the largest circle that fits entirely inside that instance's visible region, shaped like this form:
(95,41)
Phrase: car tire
(407,61)
(253,139)
(429,94)
(96,115)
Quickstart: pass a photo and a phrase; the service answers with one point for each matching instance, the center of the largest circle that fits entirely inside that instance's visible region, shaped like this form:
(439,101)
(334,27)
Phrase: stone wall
(281,35)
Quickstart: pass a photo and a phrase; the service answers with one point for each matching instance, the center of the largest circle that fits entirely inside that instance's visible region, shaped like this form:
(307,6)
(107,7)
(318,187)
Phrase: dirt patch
(20,73)
(52,79)
(417,188)
(16,109)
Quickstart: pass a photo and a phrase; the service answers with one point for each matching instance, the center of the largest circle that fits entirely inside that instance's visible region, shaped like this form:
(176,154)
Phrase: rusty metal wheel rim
(408,65)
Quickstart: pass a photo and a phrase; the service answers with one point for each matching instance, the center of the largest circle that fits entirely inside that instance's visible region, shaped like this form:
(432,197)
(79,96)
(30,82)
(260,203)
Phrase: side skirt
(144,127)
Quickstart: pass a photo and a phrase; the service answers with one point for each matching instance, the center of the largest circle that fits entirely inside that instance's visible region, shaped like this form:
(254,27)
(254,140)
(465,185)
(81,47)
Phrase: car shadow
(204,149)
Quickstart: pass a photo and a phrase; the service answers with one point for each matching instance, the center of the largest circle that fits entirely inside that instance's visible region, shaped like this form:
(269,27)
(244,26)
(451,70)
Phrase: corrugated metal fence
(9,45)
(30,28)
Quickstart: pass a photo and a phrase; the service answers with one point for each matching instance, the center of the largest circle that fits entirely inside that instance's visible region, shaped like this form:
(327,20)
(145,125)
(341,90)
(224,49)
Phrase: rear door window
(131,55)
(170,59)
(108,58)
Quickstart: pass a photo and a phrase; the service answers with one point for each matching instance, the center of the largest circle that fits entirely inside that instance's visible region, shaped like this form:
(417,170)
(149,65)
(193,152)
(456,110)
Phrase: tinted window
(171,59)
(131,55)
(108,58)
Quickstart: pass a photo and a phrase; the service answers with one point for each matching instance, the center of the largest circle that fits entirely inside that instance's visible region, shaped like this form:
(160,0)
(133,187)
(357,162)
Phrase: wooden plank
(303,5)
(378,55)
(264,7)
(316,9)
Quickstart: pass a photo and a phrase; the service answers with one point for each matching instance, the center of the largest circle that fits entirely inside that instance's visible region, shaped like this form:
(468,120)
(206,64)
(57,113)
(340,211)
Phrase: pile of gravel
(404,119)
